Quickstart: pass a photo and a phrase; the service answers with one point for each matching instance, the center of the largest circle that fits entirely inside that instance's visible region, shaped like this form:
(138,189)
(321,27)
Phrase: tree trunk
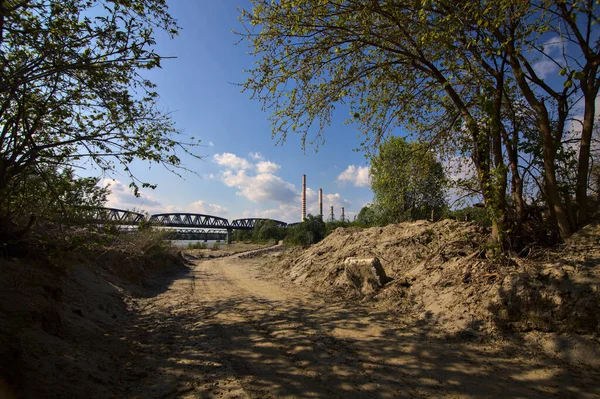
(517,194)
(569,207)
(499,178)
(552,190)
(549,144)
(511,144)
(583,166)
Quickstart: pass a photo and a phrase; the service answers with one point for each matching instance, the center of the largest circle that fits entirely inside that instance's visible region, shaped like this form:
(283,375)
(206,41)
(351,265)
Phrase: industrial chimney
(343,219)
(303,197)
(331,214)
(321,203)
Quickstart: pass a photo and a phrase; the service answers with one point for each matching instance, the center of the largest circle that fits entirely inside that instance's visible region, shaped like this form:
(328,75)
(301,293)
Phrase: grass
(197,245)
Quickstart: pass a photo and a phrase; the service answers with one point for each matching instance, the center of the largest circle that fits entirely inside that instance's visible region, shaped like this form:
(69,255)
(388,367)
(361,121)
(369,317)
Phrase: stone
(365,274)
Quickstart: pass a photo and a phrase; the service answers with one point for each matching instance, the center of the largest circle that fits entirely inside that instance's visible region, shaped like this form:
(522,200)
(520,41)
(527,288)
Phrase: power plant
(331,216)
(303,198)
(321,203)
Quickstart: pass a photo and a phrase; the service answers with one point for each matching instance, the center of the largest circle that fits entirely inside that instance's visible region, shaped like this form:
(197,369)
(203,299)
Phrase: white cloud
(357,175)
(336,201)
(289,213)
(574,126)
(231,161)
(267,167)
(551,58)
(200,207)
(545,68)
(206,208)
(460,168)
(211,144)
(554,45)
(262,187)
(121,197)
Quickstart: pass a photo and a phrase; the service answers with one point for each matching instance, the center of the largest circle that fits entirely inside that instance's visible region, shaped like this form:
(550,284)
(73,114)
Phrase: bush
(478,215)
(308,232)
(196,245)
(242,235)
(267,230)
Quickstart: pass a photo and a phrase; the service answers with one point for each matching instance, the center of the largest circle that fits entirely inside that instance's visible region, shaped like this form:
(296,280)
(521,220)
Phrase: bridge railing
(188,220)
(171,220)
(250,223)
(109,215)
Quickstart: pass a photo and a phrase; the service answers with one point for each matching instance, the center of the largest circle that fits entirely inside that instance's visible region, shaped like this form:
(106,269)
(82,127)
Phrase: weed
(197,245)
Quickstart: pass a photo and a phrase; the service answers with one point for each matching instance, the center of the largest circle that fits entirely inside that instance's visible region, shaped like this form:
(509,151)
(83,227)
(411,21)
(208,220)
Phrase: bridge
(112,215)
(181,223)
(188,220)
(249,224)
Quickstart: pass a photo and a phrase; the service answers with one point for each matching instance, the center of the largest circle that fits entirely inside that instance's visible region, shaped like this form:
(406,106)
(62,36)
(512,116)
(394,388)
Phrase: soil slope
(232,328)
(439,272)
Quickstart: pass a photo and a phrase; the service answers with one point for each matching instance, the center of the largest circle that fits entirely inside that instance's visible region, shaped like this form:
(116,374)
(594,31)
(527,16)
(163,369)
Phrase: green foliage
(367,216)
(52,196)
(267,230)
(407,180)
(477,215)
(242,235)
(308,232)
(73,91)
(197,245)
(454,73)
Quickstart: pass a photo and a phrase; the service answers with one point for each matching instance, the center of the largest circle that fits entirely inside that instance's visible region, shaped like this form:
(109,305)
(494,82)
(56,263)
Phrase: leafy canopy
(407,180)
(73,91)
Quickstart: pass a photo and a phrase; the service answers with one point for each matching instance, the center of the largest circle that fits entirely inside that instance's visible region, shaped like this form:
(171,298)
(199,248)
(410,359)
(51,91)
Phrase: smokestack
(343,217)
(321,203)
(303,197)
(331,213)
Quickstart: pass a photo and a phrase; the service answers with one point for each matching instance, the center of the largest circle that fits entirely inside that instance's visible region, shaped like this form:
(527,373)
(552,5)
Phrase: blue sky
(243,172)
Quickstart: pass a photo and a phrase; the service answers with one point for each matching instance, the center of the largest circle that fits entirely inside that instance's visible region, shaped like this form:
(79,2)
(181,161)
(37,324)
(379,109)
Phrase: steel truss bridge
(178,223)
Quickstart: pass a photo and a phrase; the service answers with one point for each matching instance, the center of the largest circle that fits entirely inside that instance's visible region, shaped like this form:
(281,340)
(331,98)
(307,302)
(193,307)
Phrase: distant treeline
(313,229)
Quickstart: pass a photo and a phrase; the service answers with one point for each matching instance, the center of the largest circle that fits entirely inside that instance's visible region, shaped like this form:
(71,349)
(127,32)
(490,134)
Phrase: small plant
(216,246)
(196,245)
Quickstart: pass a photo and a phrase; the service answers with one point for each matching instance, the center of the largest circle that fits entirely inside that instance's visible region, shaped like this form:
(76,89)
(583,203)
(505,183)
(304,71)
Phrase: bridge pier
(229,231)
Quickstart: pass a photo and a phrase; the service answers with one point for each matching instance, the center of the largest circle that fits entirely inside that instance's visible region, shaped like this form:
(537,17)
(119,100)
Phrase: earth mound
(439,273)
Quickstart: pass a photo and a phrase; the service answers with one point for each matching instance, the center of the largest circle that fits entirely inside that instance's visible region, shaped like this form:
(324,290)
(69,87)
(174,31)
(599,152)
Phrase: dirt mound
(61,321)
(439,272)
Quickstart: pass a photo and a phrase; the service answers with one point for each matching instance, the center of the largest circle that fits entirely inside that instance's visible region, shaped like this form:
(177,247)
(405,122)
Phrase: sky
(243,173)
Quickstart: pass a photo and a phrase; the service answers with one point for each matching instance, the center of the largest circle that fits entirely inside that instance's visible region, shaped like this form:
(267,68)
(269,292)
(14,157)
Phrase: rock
(365,274)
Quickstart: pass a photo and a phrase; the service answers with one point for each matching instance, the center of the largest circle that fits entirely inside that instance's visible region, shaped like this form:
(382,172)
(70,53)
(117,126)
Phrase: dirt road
(228,329)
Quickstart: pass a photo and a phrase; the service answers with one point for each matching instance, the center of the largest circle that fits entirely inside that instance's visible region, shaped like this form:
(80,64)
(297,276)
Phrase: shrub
(308,232)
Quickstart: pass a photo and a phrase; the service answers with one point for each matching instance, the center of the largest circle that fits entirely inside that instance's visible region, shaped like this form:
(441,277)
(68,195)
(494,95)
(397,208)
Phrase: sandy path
(227,329)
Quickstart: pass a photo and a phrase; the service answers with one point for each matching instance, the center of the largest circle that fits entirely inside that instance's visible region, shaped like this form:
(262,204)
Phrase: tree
(266,229)
(72,91)
(407,180)
(395,64)
(49,196)
(366,216)
(452,72)
(310,231)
